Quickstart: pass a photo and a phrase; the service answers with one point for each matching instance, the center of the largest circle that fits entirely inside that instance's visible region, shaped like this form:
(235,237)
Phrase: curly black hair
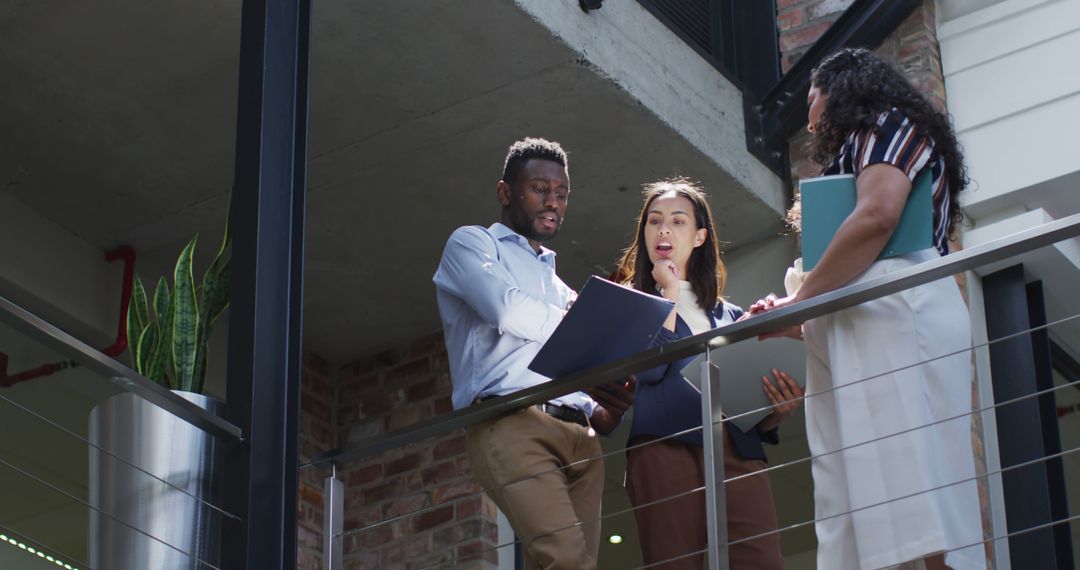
(860,86)
(521,151)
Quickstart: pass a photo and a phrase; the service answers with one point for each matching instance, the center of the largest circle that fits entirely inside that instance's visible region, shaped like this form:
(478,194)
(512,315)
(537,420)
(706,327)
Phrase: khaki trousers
(523,461)
(673,528)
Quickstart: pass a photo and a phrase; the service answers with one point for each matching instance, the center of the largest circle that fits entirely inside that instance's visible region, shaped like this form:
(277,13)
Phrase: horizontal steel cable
(728,418)
(910,495)
(86,504)
(115,456)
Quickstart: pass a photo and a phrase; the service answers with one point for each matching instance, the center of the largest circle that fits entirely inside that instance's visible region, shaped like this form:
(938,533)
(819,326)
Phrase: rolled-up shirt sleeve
(470,270)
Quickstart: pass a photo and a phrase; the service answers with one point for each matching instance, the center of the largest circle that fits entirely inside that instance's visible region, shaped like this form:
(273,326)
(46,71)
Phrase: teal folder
(828,200)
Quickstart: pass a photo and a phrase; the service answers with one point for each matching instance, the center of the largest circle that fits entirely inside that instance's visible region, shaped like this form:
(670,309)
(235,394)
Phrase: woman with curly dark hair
(879,375)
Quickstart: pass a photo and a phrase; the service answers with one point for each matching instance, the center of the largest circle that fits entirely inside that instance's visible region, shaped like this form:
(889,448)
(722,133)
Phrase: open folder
(742,365)
(606,322)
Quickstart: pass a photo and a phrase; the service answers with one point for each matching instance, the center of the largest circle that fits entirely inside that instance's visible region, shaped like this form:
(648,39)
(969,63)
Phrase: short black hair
(528,148)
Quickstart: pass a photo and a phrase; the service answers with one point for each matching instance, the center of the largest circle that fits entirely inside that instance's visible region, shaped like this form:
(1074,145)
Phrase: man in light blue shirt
(500,299)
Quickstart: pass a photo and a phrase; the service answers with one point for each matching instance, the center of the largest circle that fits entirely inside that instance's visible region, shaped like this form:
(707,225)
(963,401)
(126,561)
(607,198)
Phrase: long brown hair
(705,270)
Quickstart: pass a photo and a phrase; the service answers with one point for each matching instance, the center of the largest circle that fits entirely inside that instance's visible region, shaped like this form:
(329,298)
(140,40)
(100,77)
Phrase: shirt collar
(503,233)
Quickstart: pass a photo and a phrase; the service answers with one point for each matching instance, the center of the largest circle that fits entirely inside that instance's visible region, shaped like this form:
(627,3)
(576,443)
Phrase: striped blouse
(898,142)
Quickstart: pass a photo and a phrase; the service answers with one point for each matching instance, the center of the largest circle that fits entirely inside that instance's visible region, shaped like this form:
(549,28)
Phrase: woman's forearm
(882,192)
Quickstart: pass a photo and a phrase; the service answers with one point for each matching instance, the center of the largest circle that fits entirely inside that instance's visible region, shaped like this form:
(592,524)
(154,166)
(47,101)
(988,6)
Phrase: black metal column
(1055,468)
(1019,425)
(267,284)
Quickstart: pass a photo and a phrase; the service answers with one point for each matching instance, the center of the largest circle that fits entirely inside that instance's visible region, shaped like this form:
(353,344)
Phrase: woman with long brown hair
(675,254)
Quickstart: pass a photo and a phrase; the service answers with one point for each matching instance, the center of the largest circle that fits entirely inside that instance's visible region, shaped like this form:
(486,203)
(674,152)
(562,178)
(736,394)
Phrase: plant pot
(171,449)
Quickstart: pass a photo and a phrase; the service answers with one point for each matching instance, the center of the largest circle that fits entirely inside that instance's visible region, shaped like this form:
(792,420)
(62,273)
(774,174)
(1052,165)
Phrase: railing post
(712,434)
(333,520)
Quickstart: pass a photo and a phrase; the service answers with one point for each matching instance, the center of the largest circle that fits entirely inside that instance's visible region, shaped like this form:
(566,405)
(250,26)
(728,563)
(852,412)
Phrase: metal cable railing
(763,471)
(111,498)
(819,306)
(116,457)
(31,476)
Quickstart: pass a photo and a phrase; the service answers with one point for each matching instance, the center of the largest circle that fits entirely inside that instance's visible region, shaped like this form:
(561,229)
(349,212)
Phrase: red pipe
(124,252)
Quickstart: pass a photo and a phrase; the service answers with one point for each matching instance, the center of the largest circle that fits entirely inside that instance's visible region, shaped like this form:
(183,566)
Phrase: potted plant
(178,465)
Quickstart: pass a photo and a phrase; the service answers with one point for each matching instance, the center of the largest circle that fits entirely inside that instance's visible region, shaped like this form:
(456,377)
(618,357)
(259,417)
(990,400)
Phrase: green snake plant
(168,335)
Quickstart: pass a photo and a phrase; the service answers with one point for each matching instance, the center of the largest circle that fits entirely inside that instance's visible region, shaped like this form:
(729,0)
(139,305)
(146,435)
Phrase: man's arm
(470,270)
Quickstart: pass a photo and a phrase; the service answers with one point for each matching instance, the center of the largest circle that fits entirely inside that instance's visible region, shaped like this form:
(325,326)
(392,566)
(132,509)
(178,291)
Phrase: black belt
(559,412)
(564,413)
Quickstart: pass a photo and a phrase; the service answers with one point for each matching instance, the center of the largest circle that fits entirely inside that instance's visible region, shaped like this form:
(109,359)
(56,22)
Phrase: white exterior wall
(57,275)
(1013,88)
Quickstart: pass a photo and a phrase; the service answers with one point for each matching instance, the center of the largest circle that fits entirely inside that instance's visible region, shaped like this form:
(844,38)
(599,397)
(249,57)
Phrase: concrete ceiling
(119,126)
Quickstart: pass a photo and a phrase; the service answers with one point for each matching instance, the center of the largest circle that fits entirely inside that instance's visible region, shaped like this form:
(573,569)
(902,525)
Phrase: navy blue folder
(606,322)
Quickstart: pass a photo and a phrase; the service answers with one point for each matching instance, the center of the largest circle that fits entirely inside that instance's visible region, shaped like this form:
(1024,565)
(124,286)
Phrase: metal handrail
(120,375)
(968,259)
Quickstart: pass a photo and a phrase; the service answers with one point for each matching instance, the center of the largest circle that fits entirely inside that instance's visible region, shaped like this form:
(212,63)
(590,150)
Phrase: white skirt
(879,339)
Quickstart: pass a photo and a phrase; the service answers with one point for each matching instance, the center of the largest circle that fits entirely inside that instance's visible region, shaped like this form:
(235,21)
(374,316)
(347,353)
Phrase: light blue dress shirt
(499,301)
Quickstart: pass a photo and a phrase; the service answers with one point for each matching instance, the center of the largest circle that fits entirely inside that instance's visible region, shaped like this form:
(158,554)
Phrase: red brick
(316,408)
(402,464)
(443,406)
(442,538)
(311,495)
(405,505)
(417,546)
(380,404)
(381,492)
(408,416)
(788,19)
(804,36)
(368,560)
(307,559)
(389,358)
(408,373)
(463,466)
(353,390)
(449,447)
(827,8)
(308,538)
(477,551)
(781,4)
(434,518)
(364,474)
(394,553)
(467,506)
(427,345)
(439,473)
(422,391)
(348,414)
(451,491)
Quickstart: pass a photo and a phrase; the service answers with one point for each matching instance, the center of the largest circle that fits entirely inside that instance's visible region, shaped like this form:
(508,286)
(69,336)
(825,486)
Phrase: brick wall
(457,529)
(913,46)
(318,394)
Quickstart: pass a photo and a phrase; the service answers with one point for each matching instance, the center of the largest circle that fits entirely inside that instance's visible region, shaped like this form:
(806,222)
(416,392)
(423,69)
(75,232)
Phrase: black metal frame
(267,283)
(1027,430)
(772,119)
(743,47)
